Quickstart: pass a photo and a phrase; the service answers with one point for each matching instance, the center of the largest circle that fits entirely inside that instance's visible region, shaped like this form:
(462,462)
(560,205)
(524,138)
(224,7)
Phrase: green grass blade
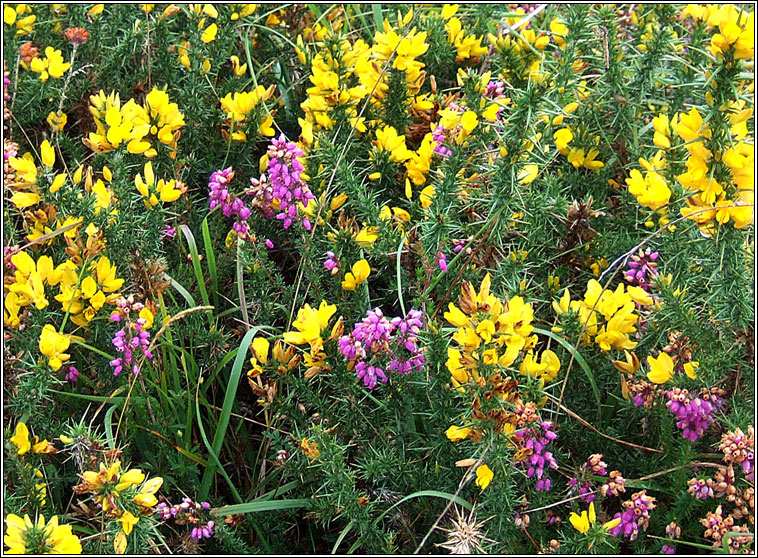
(93,349)
(215,462)
(226,409)
(399,280)
(279,491)
(378,18)
(422,494)
(198,269)
(109,427)
(210,257)
(181,290)
(265,505)
(95,398)
(578,357)
(342,536)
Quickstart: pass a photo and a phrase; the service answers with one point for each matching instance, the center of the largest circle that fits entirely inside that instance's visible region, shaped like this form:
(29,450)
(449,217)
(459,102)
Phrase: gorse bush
(354,278)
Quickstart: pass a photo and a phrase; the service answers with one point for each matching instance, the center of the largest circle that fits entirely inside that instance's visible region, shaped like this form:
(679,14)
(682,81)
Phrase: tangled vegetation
(288,278)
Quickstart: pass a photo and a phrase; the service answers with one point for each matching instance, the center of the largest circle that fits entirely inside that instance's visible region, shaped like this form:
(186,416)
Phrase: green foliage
(431,145)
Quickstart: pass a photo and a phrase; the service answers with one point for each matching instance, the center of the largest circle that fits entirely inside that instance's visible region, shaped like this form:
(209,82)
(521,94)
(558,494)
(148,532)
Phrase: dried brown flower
(77,35)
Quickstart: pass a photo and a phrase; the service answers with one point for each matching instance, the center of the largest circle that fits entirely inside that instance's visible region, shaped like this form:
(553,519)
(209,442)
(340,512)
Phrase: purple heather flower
(441,260)
(694,415)
(642,270)
(231,205)
(189,511)
(332,263)
(129,338)
(269,244)
(700,489)
(438,136)
(666,549)
(168,231)
(537,440)
(494,90)
(72,374)
(375,338)
(636,515)
(586,492)
(369,374)
(460,243)
(282,186)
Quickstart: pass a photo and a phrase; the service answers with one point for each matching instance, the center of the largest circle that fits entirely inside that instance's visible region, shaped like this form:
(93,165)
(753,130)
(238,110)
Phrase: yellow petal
(689,369)
(455,433)
(361,271)
(23,200)
(260,348)
(57,183)
(484,476)
(119,543)
(612,524)
(580,522)
(48,154)
(209,35)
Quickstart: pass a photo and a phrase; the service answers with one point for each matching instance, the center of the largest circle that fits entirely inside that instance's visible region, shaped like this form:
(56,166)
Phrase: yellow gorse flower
(360,272)
(57,122)
(466,46)
(310,449)
(134,124)
(388,140)
(153,192)
(661,368)
(99,285)
(52,65)
(491,333)
(54,345)
(209,34)
(612,320)
(23,536)
(238,107)
(21,438)
(583,522)
(108,485)
(650,190)
(17,17)
(525,48)
(310,323)
(456,433)
(260,347)
(484,476)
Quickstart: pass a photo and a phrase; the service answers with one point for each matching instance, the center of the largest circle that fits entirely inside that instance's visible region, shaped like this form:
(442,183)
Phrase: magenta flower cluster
(593,466)
(636,515)
(642,270)
(441,260)
(375,339)
(694,414)
(282,187)
(231,205)
(537,440)
(189,512)
(438,136)
(130,338)
(332,263)
(72,374)
(460,243)
(495,89)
